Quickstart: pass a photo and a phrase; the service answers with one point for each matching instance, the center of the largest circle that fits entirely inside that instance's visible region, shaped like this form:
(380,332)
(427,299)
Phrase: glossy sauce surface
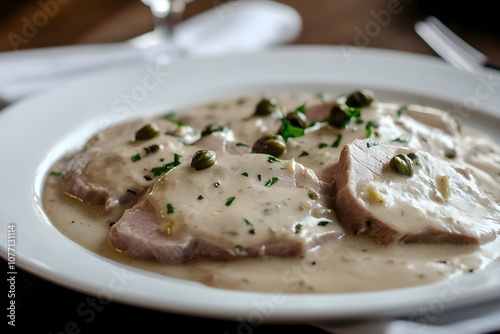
(343,264)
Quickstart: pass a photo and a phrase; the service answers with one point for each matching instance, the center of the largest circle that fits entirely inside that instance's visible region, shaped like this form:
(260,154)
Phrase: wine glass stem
(166,14)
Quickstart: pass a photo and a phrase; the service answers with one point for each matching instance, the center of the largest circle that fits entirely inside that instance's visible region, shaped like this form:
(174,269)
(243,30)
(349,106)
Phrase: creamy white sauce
(343,264)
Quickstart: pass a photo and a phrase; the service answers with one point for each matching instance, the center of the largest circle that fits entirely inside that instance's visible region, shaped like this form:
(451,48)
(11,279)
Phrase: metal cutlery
(451,47)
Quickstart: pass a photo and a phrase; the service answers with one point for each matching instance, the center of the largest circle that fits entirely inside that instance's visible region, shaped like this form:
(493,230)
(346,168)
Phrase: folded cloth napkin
(235,26)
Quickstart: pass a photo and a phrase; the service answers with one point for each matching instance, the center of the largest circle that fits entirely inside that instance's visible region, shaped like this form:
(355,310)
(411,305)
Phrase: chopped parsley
(136,157)
(244,174)
(336,143)
(170,208)
(458,126)
(230,201)
(368,144)
(248,223)
(290,131)
(368,128)
(157,171)
(238,246)
(272,159)
(323,223)
(303,154)
(400,139)
(322,145)
(401,110)
(301,109)
(271,181)
(171,117)
(241,144)
(352,112)
(55,173)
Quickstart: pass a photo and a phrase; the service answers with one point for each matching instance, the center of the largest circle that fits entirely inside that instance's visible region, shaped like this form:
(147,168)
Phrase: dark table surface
(44,307)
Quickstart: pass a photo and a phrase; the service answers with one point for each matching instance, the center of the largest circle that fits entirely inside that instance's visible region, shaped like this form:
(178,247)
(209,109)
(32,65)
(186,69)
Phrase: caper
(297,119)
(203,159)
(211,128)
(360,98)
(338,116)
(148,131)
(271,144)
(266,107)
(450,153)
(402,164)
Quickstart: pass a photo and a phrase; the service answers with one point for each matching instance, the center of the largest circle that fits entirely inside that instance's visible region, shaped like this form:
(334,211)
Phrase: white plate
(34,133)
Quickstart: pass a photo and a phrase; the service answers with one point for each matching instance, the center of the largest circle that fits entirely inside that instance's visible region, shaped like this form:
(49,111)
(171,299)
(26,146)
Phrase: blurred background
(69,22)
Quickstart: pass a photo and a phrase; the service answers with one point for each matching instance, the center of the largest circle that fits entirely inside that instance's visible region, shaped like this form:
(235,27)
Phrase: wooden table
(43,307)
(353,22)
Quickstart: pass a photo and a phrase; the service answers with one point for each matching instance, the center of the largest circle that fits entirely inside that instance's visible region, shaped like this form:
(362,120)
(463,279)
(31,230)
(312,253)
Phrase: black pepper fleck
(201,197)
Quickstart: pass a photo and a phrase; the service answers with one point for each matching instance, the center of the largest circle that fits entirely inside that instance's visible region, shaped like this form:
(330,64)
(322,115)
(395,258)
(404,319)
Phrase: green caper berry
(266,107)
(203,159)
(271,144)
(450,153)
(412,156)
(402,164)
(297,119)
(338,116)
(360,98)
(148,131)
(209,129)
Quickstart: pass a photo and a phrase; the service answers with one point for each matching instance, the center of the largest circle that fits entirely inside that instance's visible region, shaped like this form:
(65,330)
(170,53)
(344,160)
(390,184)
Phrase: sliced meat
(437,204)
(319,111)
(113,169)
(243,206)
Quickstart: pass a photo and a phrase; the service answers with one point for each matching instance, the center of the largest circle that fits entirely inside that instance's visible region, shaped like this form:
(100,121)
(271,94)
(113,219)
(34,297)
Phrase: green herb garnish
(458,126)
(271,181)
(368,128)
(336,143)
(244,174)
(290,131)
(322,145)
(401,110)
(171,117)
(230,201)
(400,140)
(272,159)
(170,208)
(303,154)
(157,171)
(301,109)
(135,158)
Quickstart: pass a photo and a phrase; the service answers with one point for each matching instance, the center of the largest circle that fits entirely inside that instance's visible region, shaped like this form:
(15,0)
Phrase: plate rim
(320,306)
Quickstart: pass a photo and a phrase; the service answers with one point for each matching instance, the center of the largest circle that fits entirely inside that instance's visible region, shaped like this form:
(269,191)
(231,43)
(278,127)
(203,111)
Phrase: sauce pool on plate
(287,192)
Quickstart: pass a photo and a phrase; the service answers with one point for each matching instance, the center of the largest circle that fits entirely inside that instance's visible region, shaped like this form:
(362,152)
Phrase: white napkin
(235,26)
